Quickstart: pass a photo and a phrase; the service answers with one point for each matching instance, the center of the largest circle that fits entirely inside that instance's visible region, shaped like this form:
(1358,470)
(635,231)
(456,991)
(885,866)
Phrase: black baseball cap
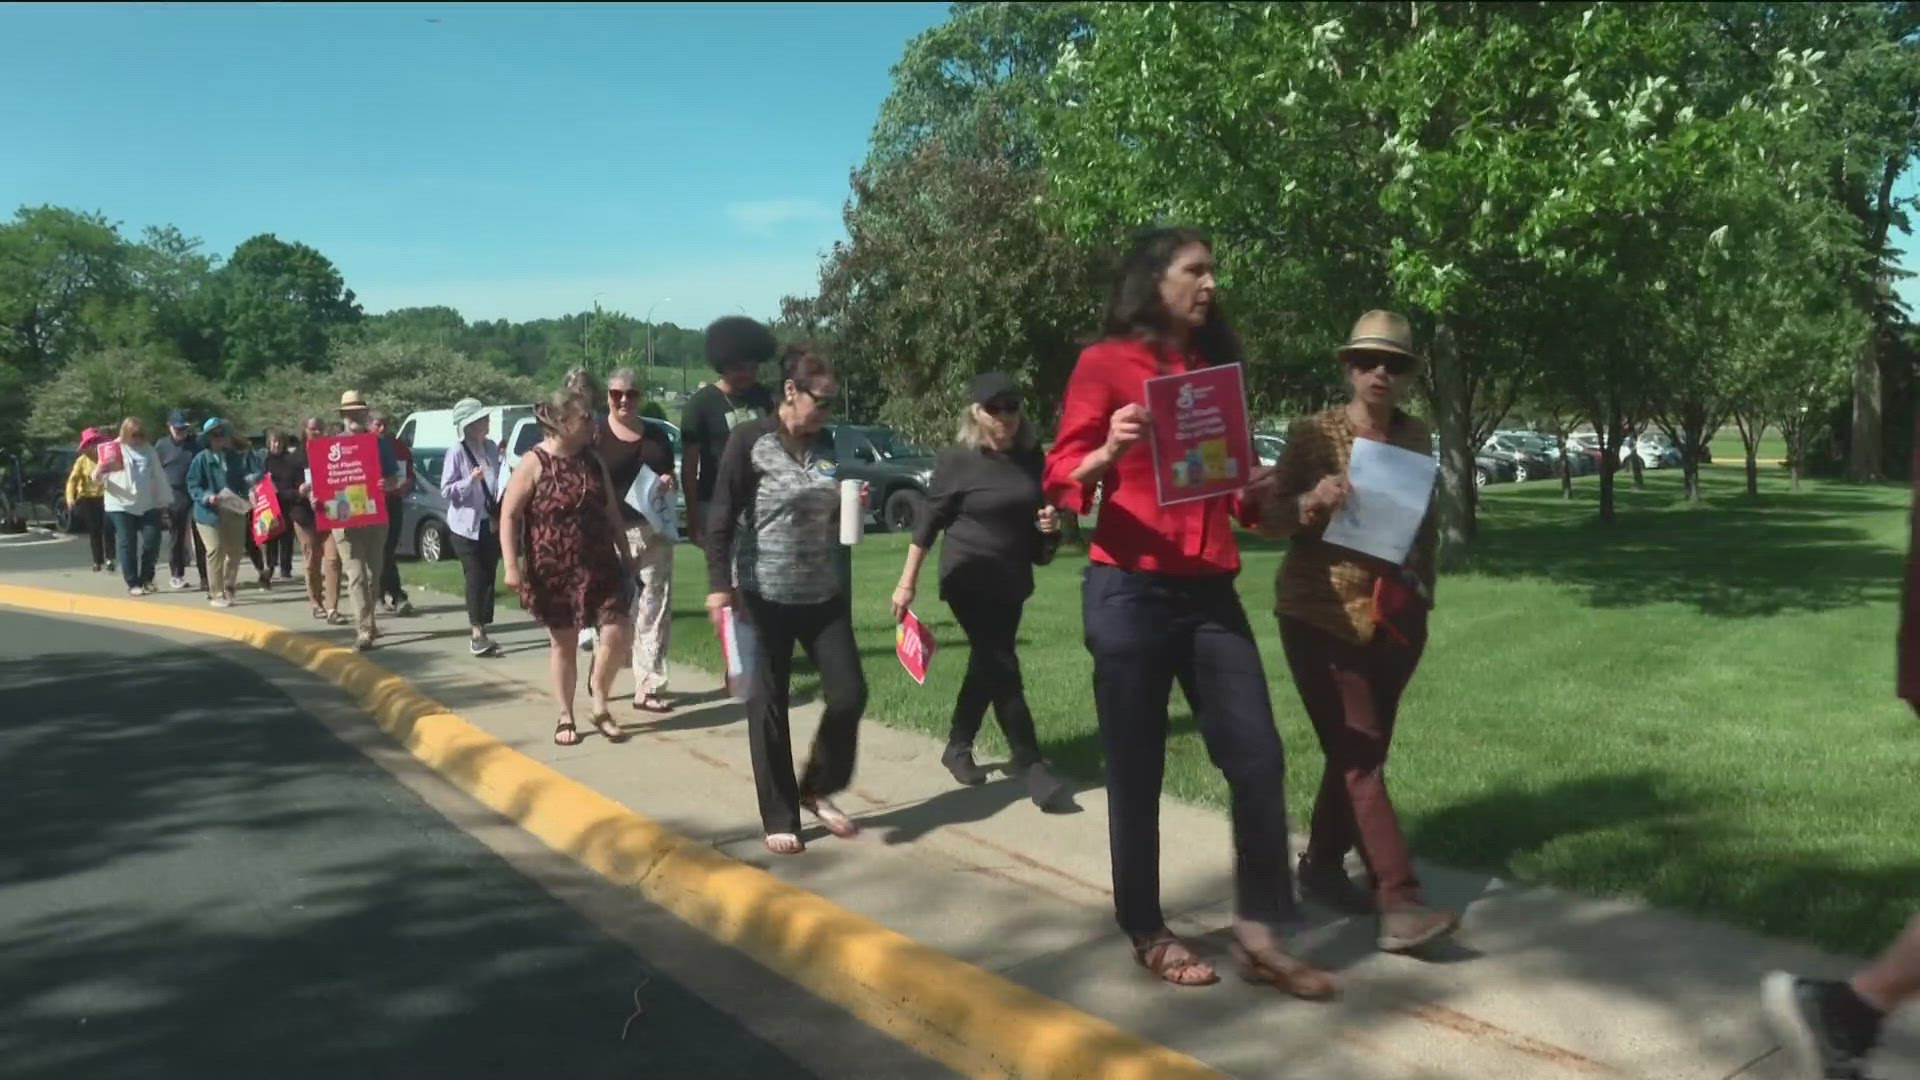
(991,387)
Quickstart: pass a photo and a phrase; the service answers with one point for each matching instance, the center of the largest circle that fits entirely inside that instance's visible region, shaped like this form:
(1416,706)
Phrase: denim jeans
(136,541)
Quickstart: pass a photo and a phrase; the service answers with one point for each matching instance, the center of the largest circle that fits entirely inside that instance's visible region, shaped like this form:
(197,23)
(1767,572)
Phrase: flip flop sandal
(784,843)
(836,822)
(652,703)
(1158,956)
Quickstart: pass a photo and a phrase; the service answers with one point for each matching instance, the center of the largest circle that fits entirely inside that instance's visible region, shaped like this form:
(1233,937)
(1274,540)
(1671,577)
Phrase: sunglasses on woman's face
(1366,362)
(1004,406)
(825,401)
(623,395)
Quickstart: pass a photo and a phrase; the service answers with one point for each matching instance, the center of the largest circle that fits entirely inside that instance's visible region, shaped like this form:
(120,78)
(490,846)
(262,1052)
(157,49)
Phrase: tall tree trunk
(1750,432)
(1566,472)
(1638,466)
(1452,412)
(1863,458)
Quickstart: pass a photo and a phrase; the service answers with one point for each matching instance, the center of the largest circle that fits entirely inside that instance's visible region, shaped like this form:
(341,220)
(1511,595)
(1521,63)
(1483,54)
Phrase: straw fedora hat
(1380,331)
(351,401)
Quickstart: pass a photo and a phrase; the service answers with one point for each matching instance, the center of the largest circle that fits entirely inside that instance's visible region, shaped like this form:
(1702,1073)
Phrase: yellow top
(82,483)
(1326,586)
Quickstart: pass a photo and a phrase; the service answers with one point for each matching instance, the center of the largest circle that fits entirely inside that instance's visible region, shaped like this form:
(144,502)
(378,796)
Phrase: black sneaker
(1820,1025)
(482,647)
(959,762)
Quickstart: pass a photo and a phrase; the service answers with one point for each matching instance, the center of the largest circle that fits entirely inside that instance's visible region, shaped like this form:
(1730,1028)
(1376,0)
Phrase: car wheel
(62,515)
(433,544)
(902,511)
(1481,478)
(1519,473)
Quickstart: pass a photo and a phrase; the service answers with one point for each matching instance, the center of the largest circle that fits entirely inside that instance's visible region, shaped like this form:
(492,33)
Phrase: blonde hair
(133,428)
(564,405)
(973,431)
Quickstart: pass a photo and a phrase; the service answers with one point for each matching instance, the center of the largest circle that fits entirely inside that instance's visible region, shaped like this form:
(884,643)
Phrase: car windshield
(890,445)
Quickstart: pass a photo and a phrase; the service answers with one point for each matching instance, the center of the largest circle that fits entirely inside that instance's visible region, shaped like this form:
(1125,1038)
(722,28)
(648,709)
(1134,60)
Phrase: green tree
(279,303)
(61,273)
(102,388)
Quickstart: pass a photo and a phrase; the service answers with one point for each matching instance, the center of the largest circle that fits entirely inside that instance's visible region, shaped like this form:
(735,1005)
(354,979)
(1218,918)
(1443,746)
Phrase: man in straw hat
(362,547)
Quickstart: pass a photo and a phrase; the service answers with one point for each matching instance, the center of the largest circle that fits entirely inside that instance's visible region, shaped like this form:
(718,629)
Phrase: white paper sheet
(653,503)
(1391,490)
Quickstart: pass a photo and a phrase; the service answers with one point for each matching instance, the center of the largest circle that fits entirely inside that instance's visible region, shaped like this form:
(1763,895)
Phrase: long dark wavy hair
(1137,312)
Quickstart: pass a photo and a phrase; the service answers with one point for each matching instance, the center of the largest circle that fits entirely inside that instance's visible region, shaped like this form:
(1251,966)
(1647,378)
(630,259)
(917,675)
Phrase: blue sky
(509,161)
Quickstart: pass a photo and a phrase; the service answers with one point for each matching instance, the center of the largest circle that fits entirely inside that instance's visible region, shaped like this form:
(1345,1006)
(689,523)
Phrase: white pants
(652,609)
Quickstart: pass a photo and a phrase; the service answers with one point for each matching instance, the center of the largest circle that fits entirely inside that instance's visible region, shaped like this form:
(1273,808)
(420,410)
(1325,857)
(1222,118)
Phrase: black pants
(1146,631)
(991,622)
(479,562)
(184,538)
(825,631)
(390,589)
(89,515)
(279,551)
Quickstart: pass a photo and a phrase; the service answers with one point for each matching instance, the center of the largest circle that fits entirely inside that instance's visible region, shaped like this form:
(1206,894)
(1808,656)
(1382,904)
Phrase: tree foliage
(102,388)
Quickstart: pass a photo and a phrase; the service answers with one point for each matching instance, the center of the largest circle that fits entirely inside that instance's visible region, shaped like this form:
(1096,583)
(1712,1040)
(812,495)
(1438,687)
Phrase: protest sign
(347,481)
(1202,446)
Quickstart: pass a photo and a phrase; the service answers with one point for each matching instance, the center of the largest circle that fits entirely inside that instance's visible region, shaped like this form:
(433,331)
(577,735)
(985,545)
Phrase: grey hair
(581,381)
(973,431)
(625,375)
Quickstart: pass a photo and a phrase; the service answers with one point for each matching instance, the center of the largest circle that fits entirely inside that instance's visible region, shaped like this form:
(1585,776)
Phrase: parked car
(896,472)
(526,435)
(1653,449)
(1529,462)
(423,513)
(1551,448)
(1487,468)
(41,492)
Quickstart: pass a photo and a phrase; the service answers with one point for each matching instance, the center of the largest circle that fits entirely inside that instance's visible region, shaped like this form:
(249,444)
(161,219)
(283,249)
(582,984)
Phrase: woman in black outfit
(986,497)
(286,465)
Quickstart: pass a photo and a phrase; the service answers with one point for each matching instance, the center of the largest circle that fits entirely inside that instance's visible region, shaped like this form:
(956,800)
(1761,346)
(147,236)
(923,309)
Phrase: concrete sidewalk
(1542,985)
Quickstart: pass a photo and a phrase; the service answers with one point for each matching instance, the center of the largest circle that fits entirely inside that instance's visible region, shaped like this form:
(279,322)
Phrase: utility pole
(683,369)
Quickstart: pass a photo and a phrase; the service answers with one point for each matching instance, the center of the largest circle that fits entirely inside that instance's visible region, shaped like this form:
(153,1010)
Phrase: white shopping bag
(741,647)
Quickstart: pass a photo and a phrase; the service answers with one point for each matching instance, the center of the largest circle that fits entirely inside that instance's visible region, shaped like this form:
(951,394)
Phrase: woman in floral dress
(567,556)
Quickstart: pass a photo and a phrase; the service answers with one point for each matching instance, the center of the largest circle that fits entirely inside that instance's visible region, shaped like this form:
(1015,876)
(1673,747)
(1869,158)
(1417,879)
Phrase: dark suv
(896,472)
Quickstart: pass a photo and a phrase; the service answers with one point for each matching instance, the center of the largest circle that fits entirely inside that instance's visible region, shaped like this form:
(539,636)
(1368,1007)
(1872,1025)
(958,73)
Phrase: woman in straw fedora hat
(1353,628)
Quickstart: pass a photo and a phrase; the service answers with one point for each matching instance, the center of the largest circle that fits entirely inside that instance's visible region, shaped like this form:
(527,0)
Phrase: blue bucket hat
(212,425)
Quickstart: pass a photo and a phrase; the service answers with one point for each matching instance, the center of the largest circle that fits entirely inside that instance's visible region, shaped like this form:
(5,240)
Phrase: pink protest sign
(1202,445)
(348,488)
(913,644)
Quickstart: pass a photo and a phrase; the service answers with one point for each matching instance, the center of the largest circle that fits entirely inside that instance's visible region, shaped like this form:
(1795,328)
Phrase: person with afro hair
(737,347)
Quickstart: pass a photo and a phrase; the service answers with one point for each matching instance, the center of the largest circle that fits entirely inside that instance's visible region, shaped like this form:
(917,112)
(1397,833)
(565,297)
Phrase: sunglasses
(1365,362)
(825,401)
(1003,406)
(623,395)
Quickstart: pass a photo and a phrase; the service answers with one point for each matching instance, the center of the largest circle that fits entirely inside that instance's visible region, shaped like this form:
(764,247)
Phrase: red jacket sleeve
(1083,429)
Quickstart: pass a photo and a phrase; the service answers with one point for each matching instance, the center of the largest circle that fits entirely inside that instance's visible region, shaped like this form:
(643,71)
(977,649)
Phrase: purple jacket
(467,498)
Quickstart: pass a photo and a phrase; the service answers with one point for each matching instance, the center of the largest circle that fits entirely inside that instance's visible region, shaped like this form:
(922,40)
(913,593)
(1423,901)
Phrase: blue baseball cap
(212,425)
(176,418)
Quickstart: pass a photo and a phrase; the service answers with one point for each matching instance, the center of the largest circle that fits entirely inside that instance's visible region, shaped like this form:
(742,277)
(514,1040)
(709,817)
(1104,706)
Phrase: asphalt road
(200,880)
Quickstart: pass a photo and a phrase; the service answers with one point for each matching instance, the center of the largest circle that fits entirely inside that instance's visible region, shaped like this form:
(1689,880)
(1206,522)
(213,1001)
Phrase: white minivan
(432,429)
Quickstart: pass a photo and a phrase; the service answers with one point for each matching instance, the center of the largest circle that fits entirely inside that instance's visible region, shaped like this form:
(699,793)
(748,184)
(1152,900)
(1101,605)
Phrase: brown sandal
(1169,959)
(603,723)
(1271,967)
(565,733)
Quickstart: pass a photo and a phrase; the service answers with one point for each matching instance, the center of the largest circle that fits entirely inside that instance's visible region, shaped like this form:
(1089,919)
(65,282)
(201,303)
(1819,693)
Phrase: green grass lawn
(1693,706)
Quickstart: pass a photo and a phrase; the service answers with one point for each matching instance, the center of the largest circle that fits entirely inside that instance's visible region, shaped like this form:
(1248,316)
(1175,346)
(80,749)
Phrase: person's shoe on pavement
(1410,928)
(220,602)
(959,761)
(179,584)
(137,591)
(1328,884)
(1048,792)
(482,646)
(1824,1027)
(363,643)
(405,608)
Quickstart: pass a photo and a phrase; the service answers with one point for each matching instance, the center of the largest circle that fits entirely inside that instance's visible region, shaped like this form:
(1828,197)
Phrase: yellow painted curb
(967,1018)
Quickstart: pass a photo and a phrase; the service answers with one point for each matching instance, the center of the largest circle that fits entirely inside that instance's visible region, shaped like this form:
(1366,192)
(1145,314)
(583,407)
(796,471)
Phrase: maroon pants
(1352,693)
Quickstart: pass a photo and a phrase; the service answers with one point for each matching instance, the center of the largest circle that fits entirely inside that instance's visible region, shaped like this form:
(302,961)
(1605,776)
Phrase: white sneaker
(136,591)
(179,584)
(220,601)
